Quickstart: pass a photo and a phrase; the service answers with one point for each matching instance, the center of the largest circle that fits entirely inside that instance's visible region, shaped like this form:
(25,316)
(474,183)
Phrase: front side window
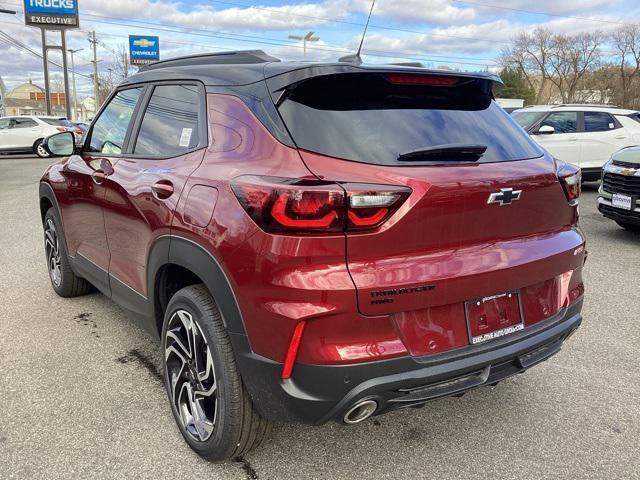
(24,123)
(110,130)
(527,119)
(562,122)
(170,124)
(5,123)
(598,122)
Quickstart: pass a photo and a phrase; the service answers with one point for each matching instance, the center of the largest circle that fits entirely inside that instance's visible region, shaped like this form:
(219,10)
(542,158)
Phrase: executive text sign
(54,14)
(143,49)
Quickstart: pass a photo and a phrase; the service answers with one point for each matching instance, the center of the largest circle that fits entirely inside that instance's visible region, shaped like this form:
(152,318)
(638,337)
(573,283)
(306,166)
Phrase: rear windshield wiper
(448,151)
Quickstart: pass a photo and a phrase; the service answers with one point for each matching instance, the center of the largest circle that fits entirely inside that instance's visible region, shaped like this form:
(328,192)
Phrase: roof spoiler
(222,58)
(280,83)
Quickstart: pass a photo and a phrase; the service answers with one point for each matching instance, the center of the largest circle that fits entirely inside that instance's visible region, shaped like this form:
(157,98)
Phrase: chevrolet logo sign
(505,196)
(144,43)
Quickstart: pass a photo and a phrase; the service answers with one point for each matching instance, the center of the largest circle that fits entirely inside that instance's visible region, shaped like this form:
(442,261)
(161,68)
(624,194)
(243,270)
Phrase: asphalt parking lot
(80,396)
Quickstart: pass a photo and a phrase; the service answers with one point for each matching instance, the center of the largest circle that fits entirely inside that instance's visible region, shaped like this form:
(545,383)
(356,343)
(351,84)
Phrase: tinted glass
(527,119)
(110,130)
(24,123)
(562,122)
(366,118)
(170,124)
(61,122)
(598,122)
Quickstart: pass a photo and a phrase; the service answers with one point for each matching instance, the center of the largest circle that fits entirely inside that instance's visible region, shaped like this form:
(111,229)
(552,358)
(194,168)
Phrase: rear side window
(372,119)
(58,122)
(110,130)
(598,122)
(170,124)
(5,123)
(562,122)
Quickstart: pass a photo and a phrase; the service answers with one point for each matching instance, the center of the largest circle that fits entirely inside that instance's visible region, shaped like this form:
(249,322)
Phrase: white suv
(25,133)
(585,135)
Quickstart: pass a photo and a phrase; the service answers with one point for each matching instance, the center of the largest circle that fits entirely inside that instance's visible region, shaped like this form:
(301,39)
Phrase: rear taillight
(309,205)
(570,178)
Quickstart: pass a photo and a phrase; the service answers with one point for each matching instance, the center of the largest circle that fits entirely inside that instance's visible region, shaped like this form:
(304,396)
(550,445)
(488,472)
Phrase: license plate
(621,201)
(493,317)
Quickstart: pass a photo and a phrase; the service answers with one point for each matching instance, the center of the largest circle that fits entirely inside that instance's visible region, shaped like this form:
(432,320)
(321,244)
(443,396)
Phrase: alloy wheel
(190,374)
(40,150)
(52,248)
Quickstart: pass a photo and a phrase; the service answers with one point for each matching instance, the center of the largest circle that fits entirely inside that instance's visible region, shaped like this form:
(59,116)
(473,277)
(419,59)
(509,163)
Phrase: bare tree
(560,61)
(529,54)
(571,58)
(121,64)
(105,87)
(626,41)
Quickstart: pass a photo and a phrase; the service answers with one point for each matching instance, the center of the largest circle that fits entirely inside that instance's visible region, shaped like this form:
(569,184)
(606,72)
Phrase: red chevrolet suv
(315,242)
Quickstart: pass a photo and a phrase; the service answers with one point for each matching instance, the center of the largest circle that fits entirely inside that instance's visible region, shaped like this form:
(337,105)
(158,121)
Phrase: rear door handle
(621,137)
(572,139)
(163,189)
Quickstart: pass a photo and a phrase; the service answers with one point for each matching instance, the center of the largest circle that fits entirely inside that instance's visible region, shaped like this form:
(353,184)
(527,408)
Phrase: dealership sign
(54,14)
(143,49)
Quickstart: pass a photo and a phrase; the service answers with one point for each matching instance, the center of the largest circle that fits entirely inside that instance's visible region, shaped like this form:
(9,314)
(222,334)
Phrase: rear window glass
(366,118)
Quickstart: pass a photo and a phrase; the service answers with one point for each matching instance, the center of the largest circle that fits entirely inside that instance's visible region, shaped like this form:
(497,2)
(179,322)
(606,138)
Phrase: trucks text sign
(55,14)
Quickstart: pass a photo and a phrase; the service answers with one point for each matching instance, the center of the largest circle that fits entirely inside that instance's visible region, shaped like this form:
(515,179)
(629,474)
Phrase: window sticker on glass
(185,138)
(611,125)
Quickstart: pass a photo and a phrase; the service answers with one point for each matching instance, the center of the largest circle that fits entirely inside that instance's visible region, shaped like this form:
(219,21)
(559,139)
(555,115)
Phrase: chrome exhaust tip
(360,412)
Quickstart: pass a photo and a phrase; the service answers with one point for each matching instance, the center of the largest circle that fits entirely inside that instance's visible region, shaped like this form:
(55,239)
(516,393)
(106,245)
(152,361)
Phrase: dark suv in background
(315,242)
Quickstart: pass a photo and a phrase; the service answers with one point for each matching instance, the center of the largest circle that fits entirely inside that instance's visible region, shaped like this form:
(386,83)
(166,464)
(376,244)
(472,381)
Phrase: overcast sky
(461,34)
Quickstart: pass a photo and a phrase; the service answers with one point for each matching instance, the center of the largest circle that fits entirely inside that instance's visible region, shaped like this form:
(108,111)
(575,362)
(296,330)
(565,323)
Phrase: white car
(21,134)
(585,135)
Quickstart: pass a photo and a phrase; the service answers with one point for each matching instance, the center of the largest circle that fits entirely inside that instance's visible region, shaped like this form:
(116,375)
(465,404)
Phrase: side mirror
(546,130)
(60,144)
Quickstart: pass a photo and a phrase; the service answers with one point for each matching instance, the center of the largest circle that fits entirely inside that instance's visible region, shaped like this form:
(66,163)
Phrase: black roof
(250,66)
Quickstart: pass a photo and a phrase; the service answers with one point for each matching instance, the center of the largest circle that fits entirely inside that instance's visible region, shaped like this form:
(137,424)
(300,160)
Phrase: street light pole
(93,41)
(73,80)
(307,38)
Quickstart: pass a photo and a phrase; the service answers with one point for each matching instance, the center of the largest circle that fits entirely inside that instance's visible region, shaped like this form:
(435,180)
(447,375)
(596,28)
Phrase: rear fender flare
(176,250)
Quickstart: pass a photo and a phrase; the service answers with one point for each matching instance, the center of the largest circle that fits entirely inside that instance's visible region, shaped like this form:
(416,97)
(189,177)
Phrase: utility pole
(93,42)
(73,77)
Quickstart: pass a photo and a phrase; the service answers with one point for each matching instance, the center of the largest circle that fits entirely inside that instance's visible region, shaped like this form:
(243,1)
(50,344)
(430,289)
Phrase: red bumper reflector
(292,351)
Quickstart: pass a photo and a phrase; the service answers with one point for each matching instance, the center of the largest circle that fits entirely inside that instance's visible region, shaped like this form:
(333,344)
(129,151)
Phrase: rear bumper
(319,393)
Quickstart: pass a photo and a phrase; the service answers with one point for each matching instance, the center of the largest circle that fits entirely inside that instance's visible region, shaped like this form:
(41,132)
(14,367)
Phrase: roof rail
(602,105)
(233,57)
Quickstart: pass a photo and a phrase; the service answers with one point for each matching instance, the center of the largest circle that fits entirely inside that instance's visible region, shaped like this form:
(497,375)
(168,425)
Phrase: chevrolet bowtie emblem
(506,196)
(144,43)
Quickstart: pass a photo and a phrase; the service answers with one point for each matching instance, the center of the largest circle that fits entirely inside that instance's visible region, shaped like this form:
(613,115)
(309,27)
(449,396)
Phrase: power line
(546,14)
(26,49)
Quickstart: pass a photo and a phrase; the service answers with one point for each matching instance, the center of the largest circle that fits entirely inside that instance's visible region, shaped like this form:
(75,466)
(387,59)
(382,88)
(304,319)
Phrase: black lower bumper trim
(619,215)
(319,393)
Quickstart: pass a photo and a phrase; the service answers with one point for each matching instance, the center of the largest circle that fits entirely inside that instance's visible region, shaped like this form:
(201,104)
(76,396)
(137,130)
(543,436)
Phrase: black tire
(236,427)
(64,281)
(629,226)
(39,150)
